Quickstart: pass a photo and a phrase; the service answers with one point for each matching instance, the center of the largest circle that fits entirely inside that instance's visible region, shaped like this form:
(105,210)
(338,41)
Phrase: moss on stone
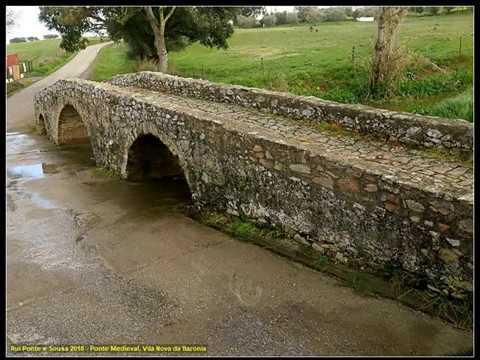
(100,171)
(454,155)
(332,129)
(243,229)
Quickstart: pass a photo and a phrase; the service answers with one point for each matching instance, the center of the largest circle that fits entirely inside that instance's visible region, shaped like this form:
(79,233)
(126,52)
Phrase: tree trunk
(162,54)
(385,54)
(158,27)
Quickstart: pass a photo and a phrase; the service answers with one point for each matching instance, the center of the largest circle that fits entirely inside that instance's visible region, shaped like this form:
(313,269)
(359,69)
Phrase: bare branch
(170,13)
(151,16)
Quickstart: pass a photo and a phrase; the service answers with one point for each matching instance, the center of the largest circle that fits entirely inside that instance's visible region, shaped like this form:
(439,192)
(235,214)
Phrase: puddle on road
(17,142)
(56,238)
(42,202)
(34,171)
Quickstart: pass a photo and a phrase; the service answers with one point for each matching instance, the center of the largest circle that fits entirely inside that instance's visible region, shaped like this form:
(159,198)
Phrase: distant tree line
(31,38)
(302,14)
(369,11)
(18,40)
(267,20)
(314,14)
(373,11)
(436,10)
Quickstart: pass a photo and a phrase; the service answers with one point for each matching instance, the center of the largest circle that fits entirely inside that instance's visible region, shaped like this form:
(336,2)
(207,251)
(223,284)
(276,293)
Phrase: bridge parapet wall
(406,128)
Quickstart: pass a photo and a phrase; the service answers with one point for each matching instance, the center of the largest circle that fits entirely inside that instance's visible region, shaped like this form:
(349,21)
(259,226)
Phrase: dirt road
(97,260)
(20,106)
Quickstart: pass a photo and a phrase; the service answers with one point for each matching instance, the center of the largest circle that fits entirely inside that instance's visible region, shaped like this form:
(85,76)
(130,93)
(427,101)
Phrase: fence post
(353,56)
(263,69)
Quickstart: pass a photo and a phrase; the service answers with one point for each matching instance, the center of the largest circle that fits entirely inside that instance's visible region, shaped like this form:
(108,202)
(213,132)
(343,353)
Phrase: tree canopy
(210,26)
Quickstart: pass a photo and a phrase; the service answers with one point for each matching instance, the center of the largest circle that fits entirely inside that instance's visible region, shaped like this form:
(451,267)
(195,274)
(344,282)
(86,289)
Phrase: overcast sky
(29,25)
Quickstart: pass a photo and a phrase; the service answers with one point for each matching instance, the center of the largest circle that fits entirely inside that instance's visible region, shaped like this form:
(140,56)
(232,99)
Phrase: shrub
(434,85)
(458,107)
(334,14)
(292,18)
(50,36)
(146,65)
(18,40)
(314,15)
(368,11)
(281,18)
(247,22)
(268,20)
(275,81)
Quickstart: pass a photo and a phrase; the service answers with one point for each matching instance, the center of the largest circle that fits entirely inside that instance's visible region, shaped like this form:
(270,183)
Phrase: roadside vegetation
(331,60)
(18,85)
(113,60)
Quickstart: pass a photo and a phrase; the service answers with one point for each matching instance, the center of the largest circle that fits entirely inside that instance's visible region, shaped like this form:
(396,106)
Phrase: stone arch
(148,157)
(41,125)
(71,126)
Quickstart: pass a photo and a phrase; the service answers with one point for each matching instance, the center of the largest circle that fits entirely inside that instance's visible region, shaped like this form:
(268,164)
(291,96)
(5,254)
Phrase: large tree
(386,53)
(150,32)
(308,14)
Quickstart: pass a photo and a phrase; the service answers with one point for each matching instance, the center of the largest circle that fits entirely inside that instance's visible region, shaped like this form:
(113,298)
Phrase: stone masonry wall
(407,128)
(353,215)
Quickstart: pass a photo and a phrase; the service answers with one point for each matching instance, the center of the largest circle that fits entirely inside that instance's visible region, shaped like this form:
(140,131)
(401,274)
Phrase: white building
(363,18)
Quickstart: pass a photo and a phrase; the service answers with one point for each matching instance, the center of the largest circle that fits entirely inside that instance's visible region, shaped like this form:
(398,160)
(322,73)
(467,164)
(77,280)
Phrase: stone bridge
(362,185)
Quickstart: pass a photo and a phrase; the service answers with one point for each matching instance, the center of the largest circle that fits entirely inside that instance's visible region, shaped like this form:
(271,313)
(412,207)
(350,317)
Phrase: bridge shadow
(151,162)
(154,173)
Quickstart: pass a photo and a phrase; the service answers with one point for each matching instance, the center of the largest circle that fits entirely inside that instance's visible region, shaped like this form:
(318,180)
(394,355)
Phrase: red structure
(12,59)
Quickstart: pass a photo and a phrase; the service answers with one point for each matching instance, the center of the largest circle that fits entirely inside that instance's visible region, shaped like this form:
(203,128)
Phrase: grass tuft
(458,107)
(454,155)
(100,171)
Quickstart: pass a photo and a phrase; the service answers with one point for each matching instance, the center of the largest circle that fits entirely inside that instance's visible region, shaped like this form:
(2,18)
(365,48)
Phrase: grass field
(294,59)
(110,61)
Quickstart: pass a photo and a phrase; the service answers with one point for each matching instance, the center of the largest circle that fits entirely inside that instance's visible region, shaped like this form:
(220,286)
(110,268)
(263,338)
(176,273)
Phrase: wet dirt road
(96,260)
